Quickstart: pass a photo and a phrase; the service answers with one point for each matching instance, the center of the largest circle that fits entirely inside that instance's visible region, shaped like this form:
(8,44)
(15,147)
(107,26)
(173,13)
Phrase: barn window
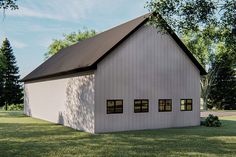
(141,105)
(165,105)
(114,106)
(186,104)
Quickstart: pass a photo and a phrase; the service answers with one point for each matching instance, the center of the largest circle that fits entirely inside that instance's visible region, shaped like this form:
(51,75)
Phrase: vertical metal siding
(68,101)
(148,65)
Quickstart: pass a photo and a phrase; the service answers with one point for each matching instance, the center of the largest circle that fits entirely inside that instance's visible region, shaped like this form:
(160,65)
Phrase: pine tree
(1,79)
(12,93)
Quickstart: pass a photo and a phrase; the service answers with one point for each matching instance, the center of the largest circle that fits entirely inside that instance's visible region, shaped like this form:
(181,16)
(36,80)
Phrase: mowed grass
(25,136)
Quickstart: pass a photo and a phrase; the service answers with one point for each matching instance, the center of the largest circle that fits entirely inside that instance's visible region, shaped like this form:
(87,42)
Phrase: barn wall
(67,101)
(148,65)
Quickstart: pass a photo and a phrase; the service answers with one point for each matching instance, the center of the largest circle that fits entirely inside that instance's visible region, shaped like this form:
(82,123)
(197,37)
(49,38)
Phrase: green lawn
(24,136)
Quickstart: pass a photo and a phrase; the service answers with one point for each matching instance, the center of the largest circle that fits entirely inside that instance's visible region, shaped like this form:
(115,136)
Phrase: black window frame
(186,104)
(165,104)
(115,100)
(141,109)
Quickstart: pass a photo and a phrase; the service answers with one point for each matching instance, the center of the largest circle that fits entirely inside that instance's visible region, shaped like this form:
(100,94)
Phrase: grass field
(25,136)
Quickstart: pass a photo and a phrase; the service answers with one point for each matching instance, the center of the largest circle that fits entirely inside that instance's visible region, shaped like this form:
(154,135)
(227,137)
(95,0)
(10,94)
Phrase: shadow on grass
(46,139)
(11,114)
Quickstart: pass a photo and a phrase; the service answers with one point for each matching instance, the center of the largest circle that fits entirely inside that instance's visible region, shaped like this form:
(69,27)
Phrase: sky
(33,27)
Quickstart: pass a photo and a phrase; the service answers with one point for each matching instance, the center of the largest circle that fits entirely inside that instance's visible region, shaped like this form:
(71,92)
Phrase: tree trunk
(204,104)
(6,107)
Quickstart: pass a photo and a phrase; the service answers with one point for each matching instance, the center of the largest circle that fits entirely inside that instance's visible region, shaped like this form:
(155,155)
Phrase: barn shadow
(79,105)
(27,109)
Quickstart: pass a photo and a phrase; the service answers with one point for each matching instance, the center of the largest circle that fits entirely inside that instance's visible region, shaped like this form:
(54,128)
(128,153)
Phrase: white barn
(131,77)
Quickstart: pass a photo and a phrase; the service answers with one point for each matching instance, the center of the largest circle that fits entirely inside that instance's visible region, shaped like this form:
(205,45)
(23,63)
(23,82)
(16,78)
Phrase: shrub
(14,107)
(212,121)
(202,122)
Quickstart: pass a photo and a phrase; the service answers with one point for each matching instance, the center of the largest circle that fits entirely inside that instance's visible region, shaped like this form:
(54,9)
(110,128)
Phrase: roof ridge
(86,54)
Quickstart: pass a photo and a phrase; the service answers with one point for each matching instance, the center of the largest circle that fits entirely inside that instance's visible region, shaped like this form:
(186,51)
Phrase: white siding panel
(148,65)
(68,101)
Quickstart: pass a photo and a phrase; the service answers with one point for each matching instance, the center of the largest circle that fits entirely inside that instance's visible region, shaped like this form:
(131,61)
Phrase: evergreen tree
(1,79)
(12,91)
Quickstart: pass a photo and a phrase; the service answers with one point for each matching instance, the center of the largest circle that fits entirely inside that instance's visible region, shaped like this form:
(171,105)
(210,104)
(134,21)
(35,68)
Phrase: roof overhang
(133,26)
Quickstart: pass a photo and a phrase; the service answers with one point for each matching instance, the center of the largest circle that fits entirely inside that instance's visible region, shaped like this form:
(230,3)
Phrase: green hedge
(14,107)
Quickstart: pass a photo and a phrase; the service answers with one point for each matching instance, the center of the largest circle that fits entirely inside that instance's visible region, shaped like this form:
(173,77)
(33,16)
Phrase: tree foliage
(12,90)
(223,88)
(8,4)
(68,39)
(199,44)
(208,29)
(2,68)
(183,15)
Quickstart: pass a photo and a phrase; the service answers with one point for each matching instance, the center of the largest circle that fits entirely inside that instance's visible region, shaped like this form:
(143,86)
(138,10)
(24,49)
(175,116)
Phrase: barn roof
(85,55)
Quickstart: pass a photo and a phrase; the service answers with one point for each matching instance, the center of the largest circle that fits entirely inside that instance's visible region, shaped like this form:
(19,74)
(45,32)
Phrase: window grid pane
(165,105)
(182,107)
(114,106)
(183,102)
(186,104)
(168,108)
(140,106)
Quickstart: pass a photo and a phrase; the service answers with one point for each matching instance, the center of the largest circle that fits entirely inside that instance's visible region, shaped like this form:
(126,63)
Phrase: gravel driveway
(218,113)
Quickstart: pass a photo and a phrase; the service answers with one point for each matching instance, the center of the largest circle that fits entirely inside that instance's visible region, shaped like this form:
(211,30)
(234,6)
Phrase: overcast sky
(32,28)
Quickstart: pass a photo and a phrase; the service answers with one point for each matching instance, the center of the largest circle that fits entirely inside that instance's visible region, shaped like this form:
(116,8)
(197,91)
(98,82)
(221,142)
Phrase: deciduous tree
(8,5)
(69,39)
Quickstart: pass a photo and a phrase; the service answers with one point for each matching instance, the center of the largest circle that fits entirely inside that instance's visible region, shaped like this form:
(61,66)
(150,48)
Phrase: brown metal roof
(86,54)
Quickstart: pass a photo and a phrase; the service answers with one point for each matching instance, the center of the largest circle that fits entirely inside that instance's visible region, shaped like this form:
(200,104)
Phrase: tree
(12,90)
(205,25)
(183,15)
(2,66)
(201,46)
(68,40)
(8,4)
(223,88)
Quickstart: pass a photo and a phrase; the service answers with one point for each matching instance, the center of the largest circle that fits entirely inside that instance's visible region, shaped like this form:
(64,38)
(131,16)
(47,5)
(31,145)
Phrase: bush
(212,121)
(202,122)
(14,107)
